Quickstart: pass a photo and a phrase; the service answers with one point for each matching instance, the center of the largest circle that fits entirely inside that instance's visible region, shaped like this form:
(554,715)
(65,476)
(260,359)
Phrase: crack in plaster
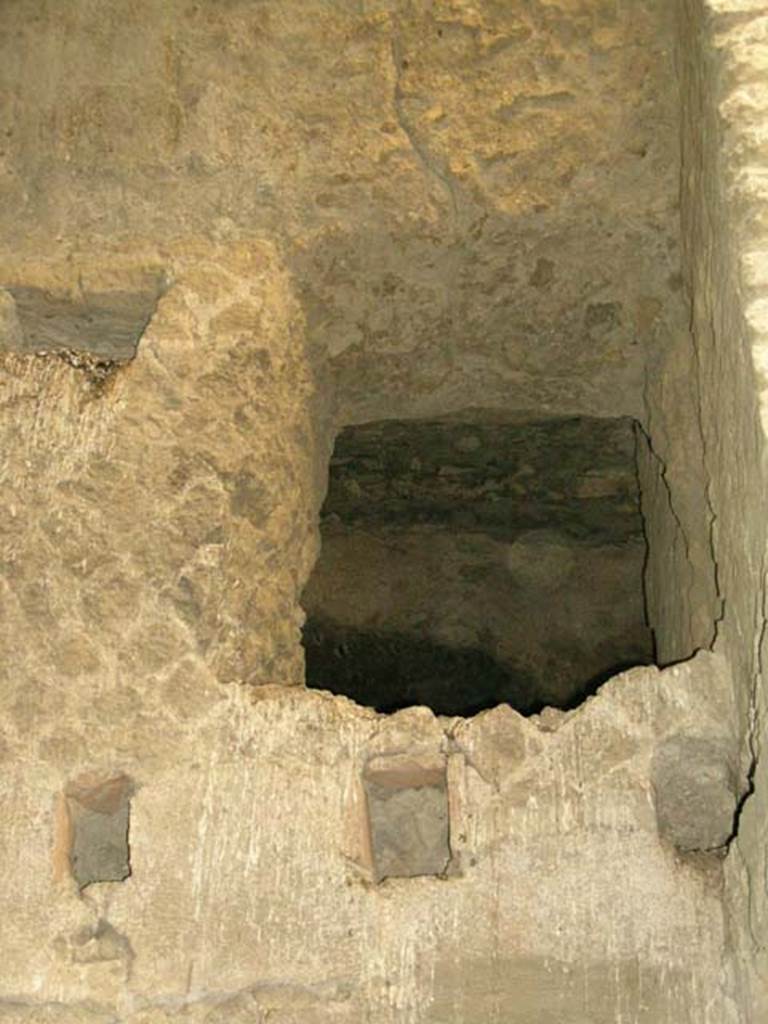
(753,747)
(421,151)
(663,476)
(644,521)
(708,490)
(663,471)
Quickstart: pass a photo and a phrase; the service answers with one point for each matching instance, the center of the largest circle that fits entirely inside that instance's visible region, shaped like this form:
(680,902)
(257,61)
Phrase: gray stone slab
(695,792)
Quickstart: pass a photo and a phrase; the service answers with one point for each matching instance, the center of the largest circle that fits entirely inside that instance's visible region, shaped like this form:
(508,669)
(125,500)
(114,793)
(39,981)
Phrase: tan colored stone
(362,211)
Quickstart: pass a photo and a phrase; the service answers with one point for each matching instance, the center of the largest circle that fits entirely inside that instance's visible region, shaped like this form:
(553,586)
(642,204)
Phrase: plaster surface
(248,833)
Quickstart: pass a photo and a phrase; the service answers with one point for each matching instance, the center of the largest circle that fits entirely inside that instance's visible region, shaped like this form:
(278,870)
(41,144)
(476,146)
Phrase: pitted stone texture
(160,526)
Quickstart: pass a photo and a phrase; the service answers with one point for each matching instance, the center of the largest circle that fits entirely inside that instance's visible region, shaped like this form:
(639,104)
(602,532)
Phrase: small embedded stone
(695,793)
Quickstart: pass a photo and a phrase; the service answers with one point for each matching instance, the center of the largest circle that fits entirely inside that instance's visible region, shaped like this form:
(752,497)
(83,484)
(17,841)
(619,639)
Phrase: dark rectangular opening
(476,560)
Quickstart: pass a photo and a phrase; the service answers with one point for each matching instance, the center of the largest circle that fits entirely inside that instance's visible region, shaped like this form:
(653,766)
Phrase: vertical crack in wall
(708,484)
(642,437)
(457,244)
(426,159)
(753,714)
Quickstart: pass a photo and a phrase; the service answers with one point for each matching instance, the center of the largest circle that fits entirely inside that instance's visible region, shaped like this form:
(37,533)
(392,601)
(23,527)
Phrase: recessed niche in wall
(407,805)
(98,812)
(104,325)
(476,560)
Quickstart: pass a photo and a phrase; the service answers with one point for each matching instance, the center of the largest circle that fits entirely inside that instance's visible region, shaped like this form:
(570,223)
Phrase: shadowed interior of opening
(472,561)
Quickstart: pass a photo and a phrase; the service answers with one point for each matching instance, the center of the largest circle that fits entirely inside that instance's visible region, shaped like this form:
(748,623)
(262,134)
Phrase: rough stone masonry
(229,231)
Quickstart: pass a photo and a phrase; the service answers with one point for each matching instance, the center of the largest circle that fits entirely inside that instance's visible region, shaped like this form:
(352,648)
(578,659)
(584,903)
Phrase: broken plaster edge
(643,682)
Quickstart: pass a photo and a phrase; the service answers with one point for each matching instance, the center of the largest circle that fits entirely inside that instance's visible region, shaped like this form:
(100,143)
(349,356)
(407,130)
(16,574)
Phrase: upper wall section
(478,199)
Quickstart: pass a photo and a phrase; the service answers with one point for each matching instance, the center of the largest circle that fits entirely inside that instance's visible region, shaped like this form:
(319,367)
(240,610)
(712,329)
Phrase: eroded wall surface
(251,895)
(163,507)
(477,200)
(157,541)
(403,211)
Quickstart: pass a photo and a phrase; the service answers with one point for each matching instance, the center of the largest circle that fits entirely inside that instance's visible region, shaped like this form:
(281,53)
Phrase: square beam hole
(98,815)
(407,817)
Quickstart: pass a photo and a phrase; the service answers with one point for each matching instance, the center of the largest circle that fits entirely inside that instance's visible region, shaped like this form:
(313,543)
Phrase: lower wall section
(252,894)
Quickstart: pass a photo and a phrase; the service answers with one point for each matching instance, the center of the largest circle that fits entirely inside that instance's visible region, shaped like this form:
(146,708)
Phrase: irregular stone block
(695,789)
(408,817)
(98,812)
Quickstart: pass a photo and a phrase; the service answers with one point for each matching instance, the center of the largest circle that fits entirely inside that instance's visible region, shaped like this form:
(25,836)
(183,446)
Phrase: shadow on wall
(391,671)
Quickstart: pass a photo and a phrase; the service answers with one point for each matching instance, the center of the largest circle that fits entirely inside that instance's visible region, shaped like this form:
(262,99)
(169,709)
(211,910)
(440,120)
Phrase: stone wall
(252,893)
(143,568)
(725,55)
(164,509)
(477,200)
(705,480)
(348,212)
